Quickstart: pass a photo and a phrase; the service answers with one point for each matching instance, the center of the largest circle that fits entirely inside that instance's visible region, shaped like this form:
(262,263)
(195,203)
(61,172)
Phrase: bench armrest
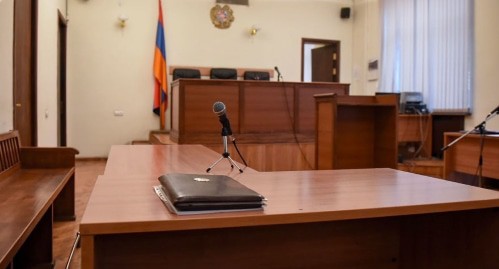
(40,157)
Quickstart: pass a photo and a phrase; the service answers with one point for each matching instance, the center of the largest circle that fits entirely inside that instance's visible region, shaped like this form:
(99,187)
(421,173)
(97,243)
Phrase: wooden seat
(36,188)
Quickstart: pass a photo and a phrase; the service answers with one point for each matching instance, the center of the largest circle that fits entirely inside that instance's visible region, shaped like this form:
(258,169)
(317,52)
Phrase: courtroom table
(463,156)
(363,218)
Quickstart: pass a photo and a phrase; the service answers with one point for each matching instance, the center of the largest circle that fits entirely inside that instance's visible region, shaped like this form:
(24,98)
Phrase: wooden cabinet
(414,135)
(356,131)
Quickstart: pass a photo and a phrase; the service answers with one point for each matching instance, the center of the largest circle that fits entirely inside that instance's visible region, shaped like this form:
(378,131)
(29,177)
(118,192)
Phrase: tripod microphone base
(225,155)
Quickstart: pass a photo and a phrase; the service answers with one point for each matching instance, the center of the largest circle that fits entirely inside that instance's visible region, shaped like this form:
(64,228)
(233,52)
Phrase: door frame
(311,41)
(61,81)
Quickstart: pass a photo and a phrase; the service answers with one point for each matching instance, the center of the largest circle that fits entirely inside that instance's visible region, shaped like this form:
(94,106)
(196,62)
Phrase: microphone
(495,111)
(278,73)
(220,110)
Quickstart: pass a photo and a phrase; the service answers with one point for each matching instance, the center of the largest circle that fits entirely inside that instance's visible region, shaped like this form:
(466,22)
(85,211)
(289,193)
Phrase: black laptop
(196,192)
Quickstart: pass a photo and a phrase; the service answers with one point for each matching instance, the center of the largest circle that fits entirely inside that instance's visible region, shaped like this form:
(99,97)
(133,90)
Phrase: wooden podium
(356,131)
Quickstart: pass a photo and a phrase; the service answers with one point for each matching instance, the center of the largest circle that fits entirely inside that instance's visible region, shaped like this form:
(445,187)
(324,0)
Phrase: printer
(412,103)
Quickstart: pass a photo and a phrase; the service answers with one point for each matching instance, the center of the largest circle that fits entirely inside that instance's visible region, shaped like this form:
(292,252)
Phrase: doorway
(61,81)
(320,60)
(24,74)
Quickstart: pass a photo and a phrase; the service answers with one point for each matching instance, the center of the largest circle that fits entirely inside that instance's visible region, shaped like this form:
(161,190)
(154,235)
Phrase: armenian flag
(160,77)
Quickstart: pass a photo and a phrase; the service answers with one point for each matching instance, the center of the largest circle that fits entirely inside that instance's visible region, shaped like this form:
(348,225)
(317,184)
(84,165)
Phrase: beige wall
(110,68)
(486,63)
(366,45)
(47,99)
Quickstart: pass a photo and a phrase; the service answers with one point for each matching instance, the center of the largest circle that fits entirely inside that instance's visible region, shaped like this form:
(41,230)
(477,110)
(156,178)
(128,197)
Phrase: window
(427,46)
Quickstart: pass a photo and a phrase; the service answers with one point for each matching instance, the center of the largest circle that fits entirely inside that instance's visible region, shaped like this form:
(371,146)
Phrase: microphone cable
(238,152)
(293,122)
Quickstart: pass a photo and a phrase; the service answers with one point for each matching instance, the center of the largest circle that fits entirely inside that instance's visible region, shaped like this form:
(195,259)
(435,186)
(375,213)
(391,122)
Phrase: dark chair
(256,75)
(223,73)
(185,73)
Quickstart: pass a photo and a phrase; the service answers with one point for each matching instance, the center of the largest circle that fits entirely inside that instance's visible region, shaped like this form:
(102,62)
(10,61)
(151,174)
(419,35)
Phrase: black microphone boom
(279,77)
(495,111)
(219,109)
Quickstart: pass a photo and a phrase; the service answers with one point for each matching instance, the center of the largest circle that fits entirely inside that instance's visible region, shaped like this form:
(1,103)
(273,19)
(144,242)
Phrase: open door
(320,60)
(324,64)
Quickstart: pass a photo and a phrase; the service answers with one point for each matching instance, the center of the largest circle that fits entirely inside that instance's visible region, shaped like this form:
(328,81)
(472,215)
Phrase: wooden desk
(259,111)
(269,119)
(463,156)
(366,218)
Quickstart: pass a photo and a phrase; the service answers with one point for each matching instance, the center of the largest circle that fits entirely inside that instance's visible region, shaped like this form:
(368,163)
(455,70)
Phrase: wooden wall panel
(259,111)
(272,157)
(268,109)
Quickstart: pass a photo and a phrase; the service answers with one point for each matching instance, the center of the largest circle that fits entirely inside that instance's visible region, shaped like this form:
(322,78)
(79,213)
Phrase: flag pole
(162,113)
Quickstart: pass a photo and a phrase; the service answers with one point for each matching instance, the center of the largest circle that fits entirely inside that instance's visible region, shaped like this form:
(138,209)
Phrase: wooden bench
(36,188)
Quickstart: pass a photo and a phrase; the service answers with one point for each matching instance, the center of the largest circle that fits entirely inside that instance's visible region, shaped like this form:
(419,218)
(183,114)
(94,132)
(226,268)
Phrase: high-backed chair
(223,73)
(256,75)
(186,73)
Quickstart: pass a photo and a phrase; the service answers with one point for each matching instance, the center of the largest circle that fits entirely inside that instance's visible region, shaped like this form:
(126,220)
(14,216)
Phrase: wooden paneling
(267,109)
(274,112)
(416,128)
(273,122)
(273,157)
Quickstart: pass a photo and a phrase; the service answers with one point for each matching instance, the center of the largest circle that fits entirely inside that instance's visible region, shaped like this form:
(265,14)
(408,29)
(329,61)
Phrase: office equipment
(412,103)
(362,218)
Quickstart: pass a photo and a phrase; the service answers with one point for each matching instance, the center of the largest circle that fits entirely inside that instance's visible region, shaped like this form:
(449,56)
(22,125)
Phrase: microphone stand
(225,154)
(481,130)
(279,77)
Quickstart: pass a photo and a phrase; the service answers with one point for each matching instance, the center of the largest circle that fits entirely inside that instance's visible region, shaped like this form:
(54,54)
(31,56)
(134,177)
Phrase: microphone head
(219,108)
(276,69)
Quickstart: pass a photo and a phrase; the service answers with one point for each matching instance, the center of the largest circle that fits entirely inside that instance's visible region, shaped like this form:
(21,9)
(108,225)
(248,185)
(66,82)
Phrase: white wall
(6,46)
(47,98)
(366,45)
(110,68)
